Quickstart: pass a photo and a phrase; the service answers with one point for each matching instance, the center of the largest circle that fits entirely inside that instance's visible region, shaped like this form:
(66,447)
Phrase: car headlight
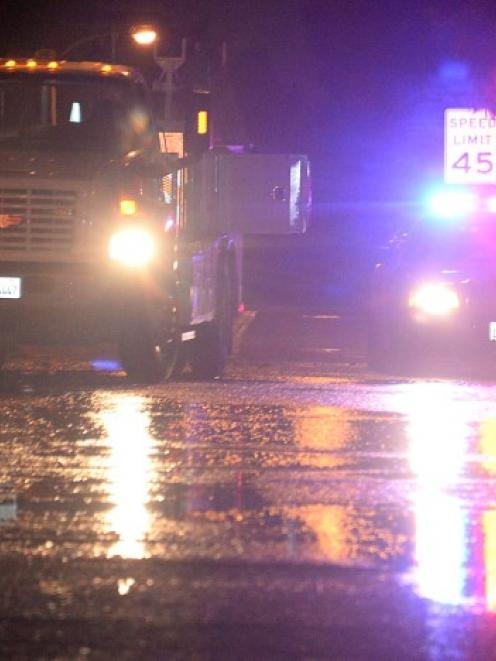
(435,299)
(452,204)
(132,247)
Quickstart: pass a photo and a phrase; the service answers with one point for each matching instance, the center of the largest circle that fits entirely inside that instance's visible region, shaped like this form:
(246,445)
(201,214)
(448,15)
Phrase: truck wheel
(214,339)
(181,361)
(233,303)
(149,346)
(3,357)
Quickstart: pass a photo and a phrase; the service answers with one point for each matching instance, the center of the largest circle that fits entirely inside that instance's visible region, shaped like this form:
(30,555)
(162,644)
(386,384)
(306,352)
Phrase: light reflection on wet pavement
(391,482)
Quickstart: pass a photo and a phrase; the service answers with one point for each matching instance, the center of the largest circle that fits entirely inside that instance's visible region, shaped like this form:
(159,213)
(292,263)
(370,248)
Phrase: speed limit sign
(469,146)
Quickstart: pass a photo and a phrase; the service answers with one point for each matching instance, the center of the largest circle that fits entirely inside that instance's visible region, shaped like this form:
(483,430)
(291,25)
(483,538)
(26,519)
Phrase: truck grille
(47,219)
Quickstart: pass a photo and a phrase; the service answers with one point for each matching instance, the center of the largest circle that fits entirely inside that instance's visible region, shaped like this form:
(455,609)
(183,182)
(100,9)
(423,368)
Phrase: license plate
(492,331)
(10,287)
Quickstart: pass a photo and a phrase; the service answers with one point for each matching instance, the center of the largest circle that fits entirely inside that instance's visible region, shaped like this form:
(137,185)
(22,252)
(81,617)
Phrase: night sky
(360,85)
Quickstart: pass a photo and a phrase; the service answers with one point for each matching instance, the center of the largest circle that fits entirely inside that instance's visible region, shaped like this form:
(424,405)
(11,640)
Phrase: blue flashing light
(454,71)
(102,365)
(451,204)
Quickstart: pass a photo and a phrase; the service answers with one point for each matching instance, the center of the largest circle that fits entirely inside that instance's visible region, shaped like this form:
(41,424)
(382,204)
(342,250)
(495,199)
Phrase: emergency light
(452,204)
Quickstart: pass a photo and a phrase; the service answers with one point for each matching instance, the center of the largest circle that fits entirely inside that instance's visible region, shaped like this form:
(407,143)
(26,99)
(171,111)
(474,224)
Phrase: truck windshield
(72,112)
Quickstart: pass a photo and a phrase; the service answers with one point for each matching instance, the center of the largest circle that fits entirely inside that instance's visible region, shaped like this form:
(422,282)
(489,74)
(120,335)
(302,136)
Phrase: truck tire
(149,346)
(233,302)
(3,357)
(213,341)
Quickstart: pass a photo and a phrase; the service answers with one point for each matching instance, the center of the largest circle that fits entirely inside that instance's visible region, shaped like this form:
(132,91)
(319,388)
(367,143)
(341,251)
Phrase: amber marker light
(127,207)
(53,65)
(31,64)
(202,122)
(10,64)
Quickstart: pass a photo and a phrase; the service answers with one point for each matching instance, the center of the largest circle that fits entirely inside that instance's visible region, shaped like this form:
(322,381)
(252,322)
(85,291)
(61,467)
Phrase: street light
(144,35)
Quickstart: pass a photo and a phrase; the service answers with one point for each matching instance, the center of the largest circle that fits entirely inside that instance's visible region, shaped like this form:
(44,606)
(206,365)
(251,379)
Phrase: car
(433,292)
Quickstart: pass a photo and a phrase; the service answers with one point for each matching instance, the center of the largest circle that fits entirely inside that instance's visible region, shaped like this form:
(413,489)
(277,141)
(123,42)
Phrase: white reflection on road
(439,433)
(127,423)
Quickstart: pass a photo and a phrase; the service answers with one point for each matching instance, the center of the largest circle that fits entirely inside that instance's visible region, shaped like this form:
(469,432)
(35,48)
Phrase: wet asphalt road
(300,508)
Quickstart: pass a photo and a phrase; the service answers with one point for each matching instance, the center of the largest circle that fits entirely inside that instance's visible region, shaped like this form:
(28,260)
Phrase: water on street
(301,507)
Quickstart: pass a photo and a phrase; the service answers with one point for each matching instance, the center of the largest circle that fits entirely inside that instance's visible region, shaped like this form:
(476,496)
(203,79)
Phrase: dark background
(359,85)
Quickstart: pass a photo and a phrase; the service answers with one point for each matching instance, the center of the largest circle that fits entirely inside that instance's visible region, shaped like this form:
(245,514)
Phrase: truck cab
(106,236)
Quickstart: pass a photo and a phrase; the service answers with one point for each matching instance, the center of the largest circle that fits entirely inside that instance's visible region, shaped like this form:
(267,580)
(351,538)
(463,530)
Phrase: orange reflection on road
(325,428)
(488,449)
(331,525)
(127,425)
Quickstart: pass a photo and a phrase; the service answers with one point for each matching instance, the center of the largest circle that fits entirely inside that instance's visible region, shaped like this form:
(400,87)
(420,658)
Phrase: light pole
(93,37)
(165,82)
(143,35)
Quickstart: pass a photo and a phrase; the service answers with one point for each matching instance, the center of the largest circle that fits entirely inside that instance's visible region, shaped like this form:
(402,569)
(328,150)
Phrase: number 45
(484,163)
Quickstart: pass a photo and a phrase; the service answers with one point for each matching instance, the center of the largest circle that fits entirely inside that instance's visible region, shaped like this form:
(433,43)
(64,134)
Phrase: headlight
(436,299)
(132,247)
(452,204)
(491,204)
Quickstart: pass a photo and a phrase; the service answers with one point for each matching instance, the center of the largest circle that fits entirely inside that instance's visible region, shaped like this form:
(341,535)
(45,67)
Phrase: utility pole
(165,82)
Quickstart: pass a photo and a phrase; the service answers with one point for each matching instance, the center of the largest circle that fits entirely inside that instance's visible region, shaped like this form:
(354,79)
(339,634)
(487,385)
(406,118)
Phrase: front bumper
(63,303)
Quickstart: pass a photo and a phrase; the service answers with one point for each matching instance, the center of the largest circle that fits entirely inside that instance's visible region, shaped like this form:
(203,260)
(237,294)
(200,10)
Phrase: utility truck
(109,233)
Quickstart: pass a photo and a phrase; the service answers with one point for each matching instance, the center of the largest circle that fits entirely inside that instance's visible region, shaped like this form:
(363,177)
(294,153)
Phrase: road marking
(321,316)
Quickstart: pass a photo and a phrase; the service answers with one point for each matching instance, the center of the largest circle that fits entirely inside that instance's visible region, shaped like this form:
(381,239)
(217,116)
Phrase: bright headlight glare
(491,204)
(132,247)
(452,204)
(435,299)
